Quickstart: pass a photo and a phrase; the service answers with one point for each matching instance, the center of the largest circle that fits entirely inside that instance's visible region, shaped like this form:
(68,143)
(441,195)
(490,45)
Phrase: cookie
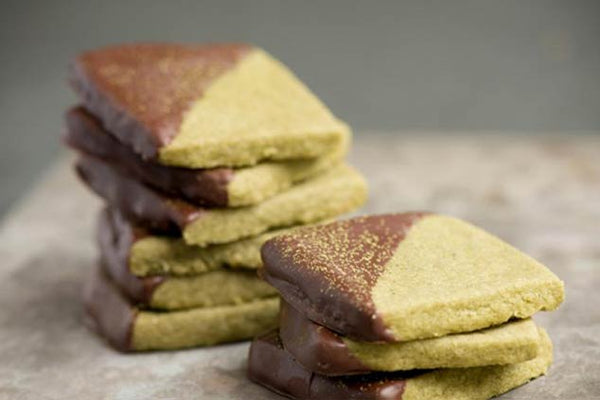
(401,277)
(335,192)
(324,352)
(204,106)
(217,187)
(146,254)
(212,288)
(129,328)
(271,366)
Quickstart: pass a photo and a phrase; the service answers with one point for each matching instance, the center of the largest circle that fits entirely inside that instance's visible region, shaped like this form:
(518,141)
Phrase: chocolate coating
(115,239)
(315,347)
(271,366)
(110,313)
(328,272)
(203,187)
(140,92)
(136,201)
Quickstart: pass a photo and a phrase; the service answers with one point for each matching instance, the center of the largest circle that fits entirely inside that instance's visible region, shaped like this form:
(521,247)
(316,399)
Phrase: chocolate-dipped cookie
(204,106)
(129,328)
(146,254)
(335,192)
(217,187)
(400,277)
(274,368)
(324,352)
(218,287)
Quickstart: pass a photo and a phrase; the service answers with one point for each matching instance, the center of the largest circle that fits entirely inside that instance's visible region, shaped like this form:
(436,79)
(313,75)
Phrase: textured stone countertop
(540,193)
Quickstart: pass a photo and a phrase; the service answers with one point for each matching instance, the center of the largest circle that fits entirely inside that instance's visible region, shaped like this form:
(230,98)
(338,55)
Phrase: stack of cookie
(411,306)
(201,154)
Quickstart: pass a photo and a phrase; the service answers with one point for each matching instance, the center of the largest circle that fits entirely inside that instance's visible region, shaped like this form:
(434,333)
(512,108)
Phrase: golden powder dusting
(157,83)
(346,256)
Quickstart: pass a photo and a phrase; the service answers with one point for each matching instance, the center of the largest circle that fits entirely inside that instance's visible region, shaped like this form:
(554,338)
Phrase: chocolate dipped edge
(205,187)
(136,201)
(316,347)
(115,119)
(340,317)
(344,307)
(109,312)
(143,132)
(274,368)
(115,240)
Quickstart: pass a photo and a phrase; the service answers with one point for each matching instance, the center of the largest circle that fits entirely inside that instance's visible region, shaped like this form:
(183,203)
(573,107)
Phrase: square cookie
(400,277)
(271,366)
(146,254)
(130,328)
(324,352)
(222,286)
(338,191)
(204,106)
(216,187)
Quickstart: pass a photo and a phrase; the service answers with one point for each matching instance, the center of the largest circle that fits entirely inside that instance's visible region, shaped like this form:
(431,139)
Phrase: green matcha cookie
(324,352)
(208,289)
(508,343)
(158,255)
(214,187)
(401,277)
(339,190)
(214,288)
(204,106)
(148,255)
(271,366)
(129,328)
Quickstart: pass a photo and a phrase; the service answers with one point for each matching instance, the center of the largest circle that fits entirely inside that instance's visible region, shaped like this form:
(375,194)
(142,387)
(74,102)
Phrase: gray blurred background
(396,66)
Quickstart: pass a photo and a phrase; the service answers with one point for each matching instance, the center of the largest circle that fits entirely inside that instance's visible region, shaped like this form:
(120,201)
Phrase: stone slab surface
(541,193)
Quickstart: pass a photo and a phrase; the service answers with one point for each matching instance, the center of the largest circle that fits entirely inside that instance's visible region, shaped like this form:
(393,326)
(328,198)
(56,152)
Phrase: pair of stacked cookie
(201,153)
(411,306)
